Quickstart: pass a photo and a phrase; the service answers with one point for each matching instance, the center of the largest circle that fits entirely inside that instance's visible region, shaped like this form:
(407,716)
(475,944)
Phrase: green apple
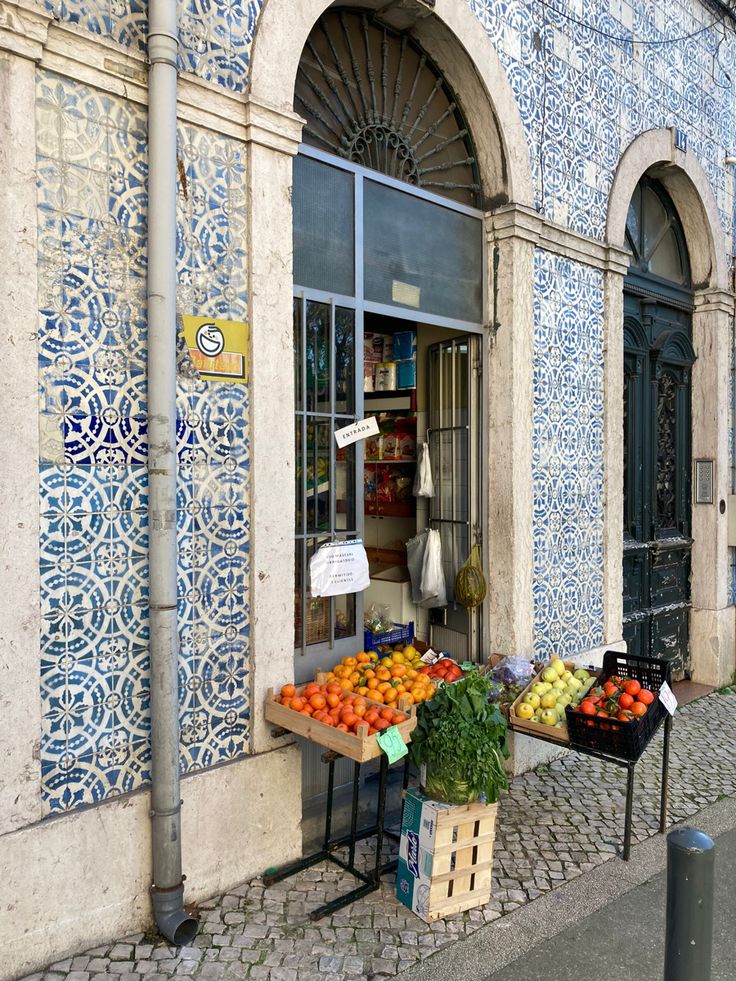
(559,685)
(582,675)
(539,688)
(531,698)
(549,675)
(549,700)
(549,717)
(566,675)
(564,700)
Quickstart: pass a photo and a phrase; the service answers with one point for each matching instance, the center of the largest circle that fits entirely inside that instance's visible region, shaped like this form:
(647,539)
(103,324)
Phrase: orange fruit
(370,716)
(354,677)
(380,724)
(346,685)
(377,696)
(409,698)
(372,684)
(349,662)
(391,695)
(398,671)
(318,701)
(387,714)
(297,704)
(288,691)
(383,674)
(342,727)
(359,709)
(350,719)
(400,717)
(362,658)
(363,690)
(332,699)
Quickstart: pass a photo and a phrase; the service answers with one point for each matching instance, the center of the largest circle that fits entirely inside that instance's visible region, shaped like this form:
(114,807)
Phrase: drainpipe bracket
(168,813)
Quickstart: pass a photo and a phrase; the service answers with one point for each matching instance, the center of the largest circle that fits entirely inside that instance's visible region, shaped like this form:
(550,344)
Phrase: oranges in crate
(384,675)
(334,706)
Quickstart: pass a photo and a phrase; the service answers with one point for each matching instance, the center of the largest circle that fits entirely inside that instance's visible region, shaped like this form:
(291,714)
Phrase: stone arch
(712,621)
(682,175)
(456,41)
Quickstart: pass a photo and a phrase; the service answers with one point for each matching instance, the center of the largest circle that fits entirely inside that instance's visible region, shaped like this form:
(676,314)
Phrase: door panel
(658,357)
(454,445)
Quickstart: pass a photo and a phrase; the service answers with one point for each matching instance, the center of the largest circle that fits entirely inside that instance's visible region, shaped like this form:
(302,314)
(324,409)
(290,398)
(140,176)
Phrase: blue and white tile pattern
(93,478)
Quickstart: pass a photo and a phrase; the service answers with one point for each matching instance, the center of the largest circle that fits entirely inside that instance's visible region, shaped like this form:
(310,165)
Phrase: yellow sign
(218,348)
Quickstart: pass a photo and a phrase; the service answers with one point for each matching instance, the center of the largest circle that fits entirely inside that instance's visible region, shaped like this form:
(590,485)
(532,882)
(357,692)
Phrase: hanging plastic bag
(423,483)
(434,592)
(415,549)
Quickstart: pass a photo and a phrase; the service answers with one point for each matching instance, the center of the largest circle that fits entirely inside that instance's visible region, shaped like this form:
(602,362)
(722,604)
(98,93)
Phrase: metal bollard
(689,927)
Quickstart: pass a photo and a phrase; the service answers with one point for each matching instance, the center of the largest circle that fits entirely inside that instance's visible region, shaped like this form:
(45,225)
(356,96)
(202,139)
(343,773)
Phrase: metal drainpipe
(167,890)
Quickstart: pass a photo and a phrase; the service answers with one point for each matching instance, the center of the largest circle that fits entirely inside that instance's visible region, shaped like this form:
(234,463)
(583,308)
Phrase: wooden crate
(531,728)
(359,748)
(462,859)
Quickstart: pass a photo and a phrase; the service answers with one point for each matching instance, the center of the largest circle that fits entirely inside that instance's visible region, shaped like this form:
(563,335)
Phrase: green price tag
(467,665)
(392,744)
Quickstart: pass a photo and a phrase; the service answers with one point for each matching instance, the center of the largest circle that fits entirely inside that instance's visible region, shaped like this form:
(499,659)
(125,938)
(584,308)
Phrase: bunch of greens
(462,739)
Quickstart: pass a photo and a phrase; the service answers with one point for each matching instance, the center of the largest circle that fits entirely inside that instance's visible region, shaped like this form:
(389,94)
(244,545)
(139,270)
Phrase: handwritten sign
(392,744)
(361,429)
(667,698)
(339,567)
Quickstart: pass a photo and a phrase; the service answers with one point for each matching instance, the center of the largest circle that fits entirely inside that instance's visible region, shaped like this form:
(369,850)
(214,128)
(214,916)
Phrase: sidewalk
(558,832)
(626,937)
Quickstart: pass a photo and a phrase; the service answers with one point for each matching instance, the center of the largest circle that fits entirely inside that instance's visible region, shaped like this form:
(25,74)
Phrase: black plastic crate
(627,740)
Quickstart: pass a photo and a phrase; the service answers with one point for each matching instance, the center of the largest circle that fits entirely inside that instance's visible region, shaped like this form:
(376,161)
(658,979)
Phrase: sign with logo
(218,348)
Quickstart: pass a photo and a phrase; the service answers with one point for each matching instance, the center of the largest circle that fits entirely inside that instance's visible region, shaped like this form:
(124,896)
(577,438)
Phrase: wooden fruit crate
(462,859)
(531,728)
(359,748)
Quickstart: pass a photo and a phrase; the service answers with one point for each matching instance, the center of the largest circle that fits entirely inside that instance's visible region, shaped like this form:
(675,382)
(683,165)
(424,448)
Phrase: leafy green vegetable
(462,739)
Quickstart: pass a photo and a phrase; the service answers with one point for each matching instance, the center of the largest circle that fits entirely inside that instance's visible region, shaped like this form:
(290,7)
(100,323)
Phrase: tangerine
(288,691)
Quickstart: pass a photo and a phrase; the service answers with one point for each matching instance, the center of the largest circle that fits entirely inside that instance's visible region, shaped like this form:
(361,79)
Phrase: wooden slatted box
(445,856)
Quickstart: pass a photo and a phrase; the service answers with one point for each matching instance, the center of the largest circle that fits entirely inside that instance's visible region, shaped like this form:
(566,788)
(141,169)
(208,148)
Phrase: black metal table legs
(370,879)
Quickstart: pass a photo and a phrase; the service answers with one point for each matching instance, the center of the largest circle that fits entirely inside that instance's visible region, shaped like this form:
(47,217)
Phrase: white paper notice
(667,698)
(338,568)
(361,429)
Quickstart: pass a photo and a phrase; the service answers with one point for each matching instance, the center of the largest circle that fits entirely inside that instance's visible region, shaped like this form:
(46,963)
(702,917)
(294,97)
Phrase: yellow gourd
(470,583)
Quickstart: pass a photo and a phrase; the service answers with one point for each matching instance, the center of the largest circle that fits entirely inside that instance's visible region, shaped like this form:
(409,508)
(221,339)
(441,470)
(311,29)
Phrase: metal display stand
(371,879)
(629,766)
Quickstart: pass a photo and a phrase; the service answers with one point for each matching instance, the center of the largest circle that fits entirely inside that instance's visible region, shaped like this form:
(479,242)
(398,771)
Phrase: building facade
(606,338)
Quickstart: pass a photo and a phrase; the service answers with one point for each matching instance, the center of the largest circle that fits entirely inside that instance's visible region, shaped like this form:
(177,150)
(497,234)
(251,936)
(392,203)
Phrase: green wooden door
(658,359)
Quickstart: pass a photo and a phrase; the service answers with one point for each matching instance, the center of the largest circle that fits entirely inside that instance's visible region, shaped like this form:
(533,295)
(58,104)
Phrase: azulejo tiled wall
(214,37)
(93,478)
(567,456)
(587,77)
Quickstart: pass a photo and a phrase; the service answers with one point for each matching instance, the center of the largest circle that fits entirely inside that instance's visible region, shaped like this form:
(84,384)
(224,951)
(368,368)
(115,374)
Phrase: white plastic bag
(433,575)
(415,549)
(423,483)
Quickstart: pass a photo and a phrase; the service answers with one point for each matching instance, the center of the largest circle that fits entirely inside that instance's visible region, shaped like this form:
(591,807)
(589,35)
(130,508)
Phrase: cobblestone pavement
(554,824)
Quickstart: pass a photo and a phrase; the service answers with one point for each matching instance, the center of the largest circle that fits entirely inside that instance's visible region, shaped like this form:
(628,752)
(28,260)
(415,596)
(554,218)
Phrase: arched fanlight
(374,97)
(655,236)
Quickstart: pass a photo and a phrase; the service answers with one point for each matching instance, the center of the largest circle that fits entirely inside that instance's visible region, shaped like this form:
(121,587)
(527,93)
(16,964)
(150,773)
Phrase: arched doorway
(389,253)
(658,358)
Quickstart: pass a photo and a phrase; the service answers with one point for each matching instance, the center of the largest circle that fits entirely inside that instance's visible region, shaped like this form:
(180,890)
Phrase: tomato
(645,696)
(625,701)
(624,716)
(639,708)
(587,707)
(610,689)
(602,714)
(632,687)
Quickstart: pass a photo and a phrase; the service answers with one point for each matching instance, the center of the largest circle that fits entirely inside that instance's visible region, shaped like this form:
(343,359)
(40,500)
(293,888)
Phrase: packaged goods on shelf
(405,345)
(384,378)
(406,374)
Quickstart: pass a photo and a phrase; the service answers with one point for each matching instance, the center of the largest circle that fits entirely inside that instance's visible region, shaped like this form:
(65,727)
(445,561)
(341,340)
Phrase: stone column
(273,137)
(712,620)
(512,234)
(23,30)
(613,448)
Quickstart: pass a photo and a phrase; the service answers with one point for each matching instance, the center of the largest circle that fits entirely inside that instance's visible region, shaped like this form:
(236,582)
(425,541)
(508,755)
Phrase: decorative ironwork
(375,98)
(666,451)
